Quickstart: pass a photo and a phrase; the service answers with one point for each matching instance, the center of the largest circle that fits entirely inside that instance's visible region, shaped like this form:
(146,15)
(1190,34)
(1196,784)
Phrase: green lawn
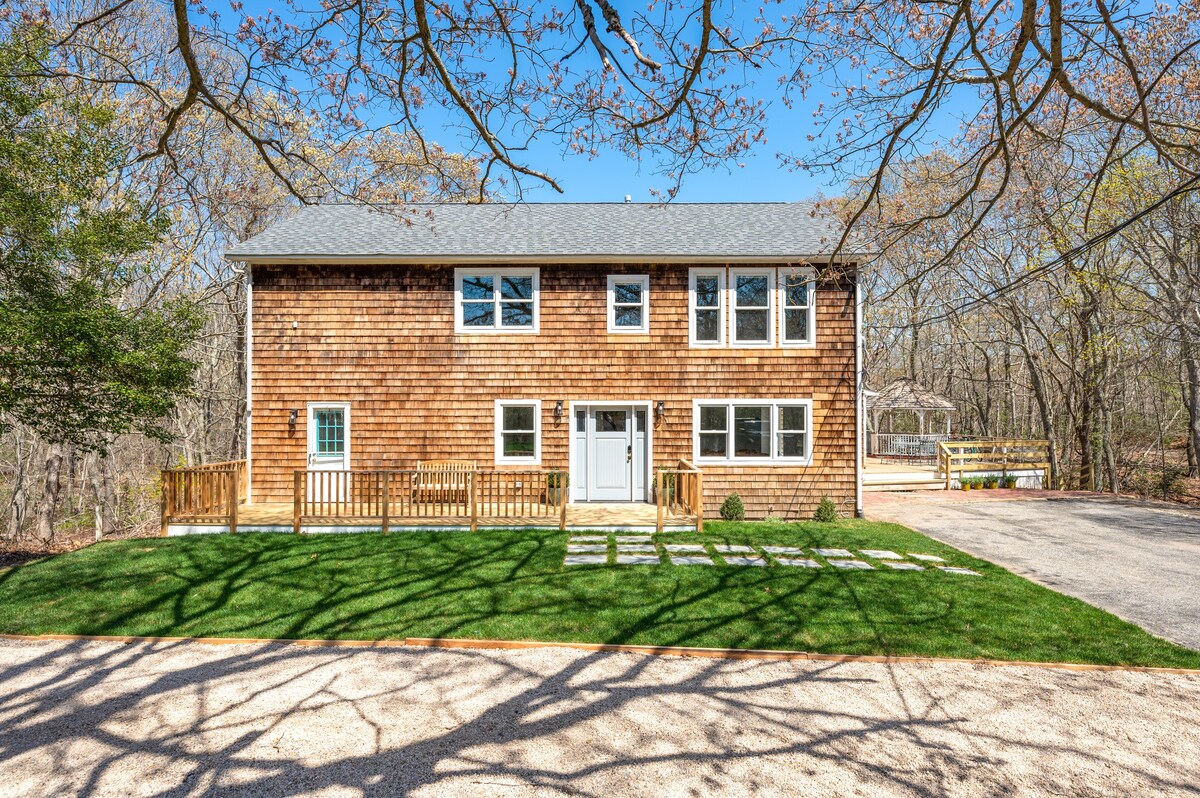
(513,585)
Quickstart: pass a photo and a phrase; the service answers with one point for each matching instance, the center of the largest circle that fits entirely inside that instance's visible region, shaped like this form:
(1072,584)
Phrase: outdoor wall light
(660,409)
(558,408)
(292,420)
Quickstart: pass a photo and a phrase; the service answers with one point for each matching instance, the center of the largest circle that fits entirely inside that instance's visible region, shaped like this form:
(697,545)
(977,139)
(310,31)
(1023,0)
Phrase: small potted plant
(992,482)
(557,483)
(964,483)
(1010,482)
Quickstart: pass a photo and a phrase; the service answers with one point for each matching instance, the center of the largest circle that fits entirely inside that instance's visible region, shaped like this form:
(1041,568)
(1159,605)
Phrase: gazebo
(913,408)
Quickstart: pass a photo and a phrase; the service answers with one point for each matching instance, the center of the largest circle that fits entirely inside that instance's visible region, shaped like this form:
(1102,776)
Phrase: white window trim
(772,304)
(810,277)
(311,430)
(613,279)
(730,460)
(496,274)
(722,301)
(498,431)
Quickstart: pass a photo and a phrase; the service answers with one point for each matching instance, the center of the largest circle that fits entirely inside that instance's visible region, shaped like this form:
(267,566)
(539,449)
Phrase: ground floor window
(765,431)
(519,431)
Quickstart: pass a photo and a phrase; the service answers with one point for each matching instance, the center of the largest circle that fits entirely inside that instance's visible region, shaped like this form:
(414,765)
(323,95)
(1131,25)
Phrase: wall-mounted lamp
(292,420)
(558,408)
(660,409)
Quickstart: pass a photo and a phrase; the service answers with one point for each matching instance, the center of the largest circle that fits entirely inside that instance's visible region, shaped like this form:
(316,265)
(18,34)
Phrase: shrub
(827,511)
(732,508)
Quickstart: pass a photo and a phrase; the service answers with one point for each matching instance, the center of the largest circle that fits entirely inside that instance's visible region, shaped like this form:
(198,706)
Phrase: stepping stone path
(782,550)
(904,566)
(631,548)
(637,559)
(950,570)
(589,539)
(724,548)
(850,564)
(684,547)
(926,557)
(680,560)
(634,539)
(798,563)
(833,552)
(586,559)
(588,549)
(880,554)
(731,560)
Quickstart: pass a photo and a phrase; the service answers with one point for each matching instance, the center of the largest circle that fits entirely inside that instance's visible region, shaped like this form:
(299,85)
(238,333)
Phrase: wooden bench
(443,480)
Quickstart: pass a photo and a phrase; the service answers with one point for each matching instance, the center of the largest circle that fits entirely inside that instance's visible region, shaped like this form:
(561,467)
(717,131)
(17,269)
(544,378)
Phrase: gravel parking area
(1138,560)
(188,719)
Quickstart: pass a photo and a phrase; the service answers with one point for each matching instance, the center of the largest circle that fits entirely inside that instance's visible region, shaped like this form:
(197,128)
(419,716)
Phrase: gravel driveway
(189,719)
(1140,561)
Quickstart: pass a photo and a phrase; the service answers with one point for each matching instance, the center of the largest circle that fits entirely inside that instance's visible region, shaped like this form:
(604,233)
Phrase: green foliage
(558,479)
(85,353)
(1010,481)
(826,512)
(732,509)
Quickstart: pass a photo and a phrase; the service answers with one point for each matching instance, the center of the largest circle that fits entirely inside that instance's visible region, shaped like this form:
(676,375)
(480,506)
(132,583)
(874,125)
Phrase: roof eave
(431,260)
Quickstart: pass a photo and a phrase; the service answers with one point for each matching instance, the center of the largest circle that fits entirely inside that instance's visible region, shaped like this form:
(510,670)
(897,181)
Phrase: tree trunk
(48,506)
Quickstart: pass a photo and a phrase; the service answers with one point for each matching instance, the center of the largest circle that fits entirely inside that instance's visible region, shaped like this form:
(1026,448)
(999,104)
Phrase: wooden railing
(679,493)
(391,496)
(992,455)
(203,494)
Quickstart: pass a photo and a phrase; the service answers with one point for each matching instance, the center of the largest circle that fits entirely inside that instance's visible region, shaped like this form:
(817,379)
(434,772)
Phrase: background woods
(1026,169)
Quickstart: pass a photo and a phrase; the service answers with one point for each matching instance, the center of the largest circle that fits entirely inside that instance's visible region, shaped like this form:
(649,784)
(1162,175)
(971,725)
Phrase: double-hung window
(706,319)
(496,300)
(758,431)
(628,303)
(795,306)
(752,305)
(519,431)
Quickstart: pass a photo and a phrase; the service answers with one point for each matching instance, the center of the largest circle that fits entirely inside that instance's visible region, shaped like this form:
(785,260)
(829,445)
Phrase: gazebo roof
(906,394)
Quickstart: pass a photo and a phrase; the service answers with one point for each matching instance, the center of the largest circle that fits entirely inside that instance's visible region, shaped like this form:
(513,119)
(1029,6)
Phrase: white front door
(610,448)
(328,449)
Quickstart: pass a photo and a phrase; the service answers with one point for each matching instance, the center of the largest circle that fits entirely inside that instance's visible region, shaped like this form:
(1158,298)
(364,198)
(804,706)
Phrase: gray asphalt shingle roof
(548,232)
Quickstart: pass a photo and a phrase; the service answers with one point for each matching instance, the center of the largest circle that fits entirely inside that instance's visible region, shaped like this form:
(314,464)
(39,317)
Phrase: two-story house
(601,339)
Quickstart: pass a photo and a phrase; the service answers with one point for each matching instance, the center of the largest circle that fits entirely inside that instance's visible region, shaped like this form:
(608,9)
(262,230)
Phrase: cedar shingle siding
(382,338)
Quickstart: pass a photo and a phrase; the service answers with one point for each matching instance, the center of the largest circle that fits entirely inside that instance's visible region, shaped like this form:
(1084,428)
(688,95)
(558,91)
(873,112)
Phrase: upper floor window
(752,306)
(706,319)
(496,300)
(628,303)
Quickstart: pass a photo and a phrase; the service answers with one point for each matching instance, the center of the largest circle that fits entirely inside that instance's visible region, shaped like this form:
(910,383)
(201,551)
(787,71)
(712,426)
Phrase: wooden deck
(277,516)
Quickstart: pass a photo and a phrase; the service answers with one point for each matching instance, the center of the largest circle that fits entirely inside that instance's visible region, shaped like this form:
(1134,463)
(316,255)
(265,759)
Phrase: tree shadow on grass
(188,719)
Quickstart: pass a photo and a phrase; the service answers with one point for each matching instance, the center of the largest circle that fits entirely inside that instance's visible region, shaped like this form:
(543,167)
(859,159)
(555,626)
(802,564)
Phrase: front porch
(210,499)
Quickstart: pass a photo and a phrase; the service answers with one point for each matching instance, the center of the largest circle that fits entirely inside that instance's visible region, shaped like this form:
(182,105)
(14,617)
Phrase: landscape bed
(514,586)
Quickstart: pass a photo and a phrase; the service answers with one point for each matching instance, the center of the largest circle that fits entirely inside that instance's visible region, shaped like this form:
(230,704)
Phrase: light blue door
(610,449)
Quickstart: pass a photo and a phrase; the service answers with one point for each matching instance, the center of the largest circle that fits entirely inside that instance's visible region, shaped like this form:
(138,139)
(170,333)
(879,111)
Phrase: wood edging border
(613,648)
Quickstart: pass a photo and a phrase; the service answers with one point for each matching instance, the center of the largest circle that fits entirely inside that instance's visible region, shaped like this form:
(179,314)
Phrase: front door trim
(586,404)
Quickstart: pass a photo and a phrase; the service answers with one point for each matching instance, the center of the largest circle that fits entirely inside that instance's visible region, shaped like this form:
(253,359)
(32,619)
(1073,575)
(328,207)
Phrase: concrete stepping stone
(637,559)
(684,560)
(684,547)
(833,552)
(723,548)
(926,557)
(589,539)
(634,539)
(880,554)
(632,548)
(851,565)
(782,550)
(951,570)
(589,549)
(903,566)
(731,560)
(798,562)
(586,559)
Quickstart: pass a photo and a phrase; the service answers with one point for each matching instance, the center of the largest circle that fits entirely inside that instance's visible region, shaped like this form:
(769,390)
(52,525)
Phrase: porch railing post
(474,502)
(699,501)
(386,476)
(658,493)
(563,492)
(234,479)
(297,480)
(166,504)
